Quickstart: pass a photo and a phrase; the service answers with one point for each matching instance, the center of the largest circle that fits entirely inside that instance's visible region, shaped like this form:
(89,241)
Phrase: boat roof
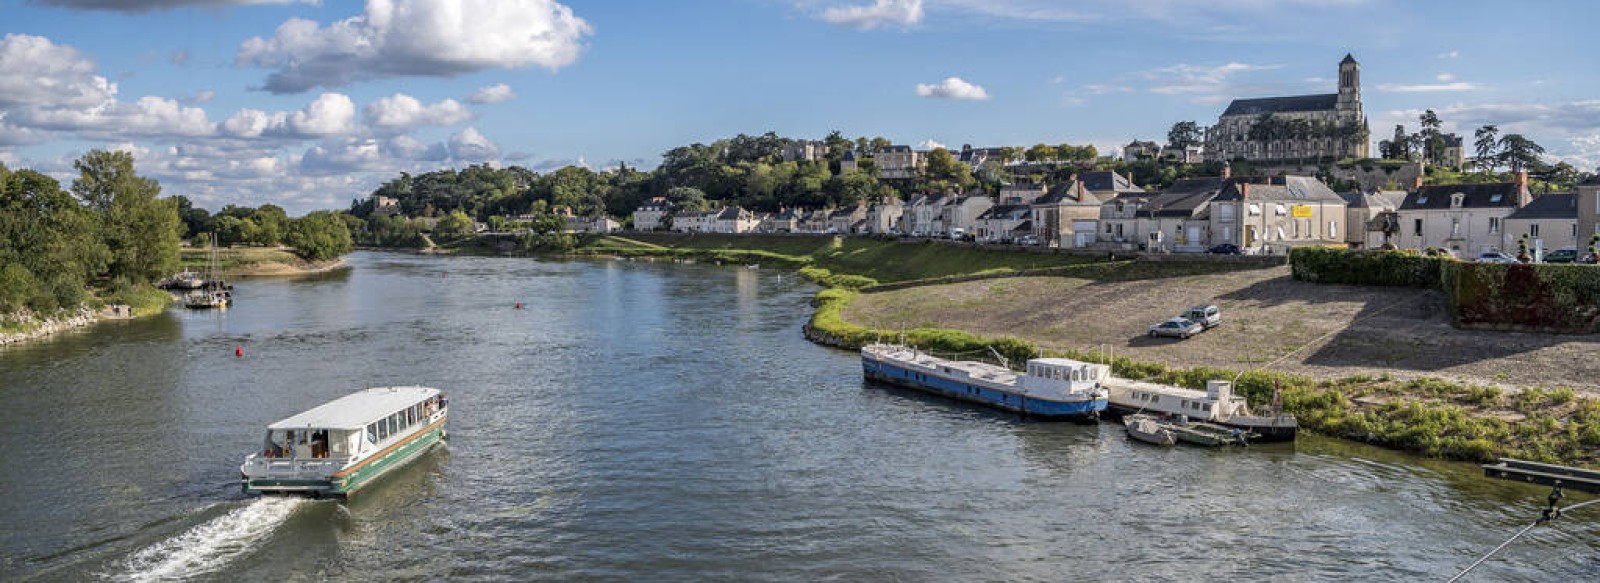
(1059,362)
(356,410)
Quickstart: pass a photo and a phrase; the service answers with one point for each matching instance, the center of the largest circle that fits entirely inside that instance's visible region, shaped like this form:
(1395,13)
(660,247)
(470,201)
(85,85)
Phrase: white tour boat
(343,445)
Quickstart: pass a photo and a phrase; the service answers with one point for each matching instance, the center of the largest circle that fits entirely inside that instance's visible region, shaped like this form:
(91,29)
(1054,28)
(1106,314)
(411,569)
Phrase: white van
(1207,316)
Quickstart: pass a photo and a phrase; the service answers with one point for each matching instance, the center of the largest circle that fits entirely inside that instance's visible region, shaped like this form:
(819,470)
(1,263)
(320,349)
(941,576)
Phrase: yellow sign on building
(1301,211)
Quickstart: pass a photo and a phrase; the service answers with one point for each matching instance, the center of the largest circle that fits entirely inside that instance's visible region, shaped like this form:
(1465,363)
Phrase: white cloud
(401,112)
(394,38)
(493,94)
(1445,77)
(904,13)
(953,88)
(1185,78)
(147,117)
(1426,87)
(1102,89)
(929,144)
(328,115)
(469,145)
(148,5)
(1450,55)
(37,72)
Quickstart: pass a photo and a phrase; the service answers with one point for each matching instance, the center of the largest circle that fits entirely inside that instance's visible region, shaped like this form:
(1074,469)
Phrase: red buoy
(519,305)
(238,351)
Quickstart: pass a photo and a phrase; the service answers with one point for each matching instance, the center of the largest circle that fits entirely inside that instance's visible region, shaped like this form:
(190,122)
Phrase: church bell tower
(1349,84)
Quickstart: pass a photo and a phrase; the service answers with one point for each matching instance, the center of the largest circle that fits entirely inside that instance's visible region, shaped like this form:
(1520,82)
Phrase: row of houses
(1106,210)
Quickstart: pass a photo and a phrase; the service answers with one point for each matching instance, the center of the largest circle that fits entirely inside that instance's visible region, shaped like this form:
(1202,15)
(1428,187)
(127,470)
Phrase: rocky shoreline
(48,326)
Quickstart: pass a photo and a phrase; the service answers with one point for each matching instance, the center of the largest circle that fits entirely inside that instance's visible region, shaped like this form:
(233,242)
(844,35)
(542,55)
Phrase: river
(643,421)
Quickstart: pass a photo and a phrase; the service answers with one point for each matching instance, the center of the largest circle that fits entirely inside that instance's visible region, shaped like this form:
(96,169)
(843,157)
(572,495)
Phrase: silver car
(1176,327)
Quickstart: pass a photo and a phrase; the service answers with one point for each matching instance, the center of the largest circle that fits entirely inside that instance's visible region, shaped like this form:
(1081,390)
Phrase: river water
(658,422)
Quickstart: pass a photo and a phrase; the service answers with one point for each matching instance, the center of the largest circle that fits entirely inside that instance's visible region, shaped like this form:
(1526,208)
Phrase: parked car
(1224,249)
(1177,327)
(1028,240)
(1207,316)
(1495,257)
(1567,255)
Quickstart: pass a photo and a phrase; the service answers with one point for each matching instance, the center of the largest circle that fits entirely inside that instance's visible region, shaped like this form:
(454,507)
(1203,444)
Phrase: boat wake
(209,545)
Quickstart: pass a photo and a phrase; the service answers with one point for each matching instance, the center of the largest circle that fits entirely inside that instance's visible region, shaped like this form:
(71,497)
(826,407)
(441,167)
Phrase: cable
(1550,513)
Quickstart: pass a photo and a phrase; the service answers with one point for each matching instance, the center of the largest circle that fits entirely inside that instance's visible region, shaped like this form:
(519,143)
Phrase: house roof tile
(1441,196)
(1562,205)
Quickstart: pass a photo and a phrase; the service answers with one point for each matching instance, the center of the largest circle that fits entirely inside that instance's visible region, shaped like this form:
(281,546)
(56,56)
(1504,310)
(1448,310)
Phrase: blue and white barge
(1051,388)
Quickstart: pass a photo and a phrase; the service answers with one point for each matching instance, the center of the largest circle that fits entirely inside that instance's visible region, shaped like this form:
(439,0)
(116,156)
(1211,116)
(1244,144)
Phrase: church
(1299,128)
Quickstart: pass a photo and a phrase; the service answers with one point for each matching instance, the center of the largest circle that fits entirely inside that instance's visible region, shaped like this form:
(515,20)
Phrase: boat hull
(892,374)
(354,477)
(1265,429)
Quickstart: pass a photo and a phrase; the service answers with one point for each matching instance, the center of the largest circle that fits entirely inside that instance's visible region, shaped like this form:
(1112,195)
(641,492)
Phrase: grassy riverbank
(252,261)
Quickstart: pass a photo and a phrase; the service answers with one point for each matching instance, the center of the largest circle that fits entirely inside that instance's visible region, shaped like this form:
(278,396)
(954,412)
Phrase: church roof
(1258,106)
(1348,59)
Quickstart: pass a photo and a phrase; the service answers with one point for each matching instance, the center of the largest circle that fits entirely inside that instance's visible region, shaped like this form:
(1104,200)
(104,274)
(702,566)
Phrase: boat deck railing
(274,466)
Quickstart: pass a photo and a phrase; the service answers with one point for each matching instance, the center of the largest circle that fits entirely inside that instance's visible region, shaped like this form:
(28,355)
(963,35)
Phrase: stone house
(1021,193)
(1550,222)
(688,221)
(900,162)
(975,158)
(1369,217)
(1588,211)
(652,214)
(730,220)
(815,221)
(845,219)
(1137,149)
(1068,216)
(783,221)
(1106,185)
(962,212)
(1177,218)
(883,217)
(805,150)
(1467,219)
(923,215)
(1000,223)
(1270,215)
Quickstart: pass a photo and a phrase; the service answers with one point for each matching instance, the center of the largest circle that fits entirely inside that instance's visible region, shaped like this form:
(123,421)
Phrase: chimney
(1523,196)
(1244,187)
(1416,184)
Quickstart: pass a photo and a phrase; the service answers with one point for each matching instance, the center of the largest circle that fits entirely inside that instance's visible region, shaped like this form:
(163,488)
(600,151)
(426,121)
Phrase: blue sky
(310,104)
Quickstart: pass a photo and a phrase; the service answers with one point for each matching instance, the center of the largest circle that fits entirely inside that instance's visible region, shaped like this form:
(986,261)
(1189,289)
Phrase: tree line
(113,231)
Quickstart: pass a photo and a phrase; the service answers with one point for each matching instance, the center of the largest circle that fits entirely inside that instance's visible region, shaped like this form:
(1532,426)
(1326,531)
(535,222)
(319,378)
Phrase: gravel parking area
(1344,330)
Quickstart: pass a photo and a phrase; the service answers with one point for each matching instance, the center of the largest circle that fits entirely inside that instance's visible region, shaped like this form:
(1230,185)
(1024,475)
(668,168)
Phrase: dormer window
(1421,200)
(1497,198)
(1455,200)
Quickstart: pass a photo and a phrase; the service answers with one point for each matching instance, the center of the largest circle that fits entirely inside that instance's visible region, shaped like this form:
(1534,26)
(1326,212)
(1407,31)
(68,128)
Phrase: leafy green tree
(49,244)
(141,228)
(273,222)
(1430,139)
(319,236)
(1039,153)
(1487,144)
(229,230)
(1519,153)
(687,198)
(1184,134)
(453,226)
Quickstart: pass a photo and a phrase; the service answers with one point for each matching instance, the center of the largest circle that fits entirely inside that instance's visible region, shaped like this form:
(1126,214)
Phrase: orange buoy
(238,351)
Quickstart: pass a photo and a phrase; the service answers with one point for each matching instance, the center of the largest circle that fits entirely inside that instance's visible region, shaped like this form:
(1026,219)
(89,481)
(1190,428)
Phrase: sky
(308,105)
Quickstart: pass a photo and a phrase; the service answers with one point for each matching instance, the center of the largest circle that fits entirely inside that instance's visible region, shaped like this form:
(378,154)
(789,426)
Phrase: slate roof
(1184,198)
(1108,181)
(1011,212)
(1258,106)
(843,213)
(896,149)
(1562,205)
(1071,193)
(1438,196)
(730,214)
(1282,188)
(1348,58)
(1376,199)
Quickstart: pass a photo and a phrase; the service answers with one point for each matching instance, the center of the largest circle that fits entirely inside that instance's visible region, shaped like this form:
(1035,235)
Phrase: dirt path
(1401,332)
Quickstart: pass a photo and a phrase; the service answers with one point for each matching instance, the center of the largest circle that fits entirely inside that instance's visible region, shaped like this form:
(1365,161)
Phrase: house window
(1455,200)
(1333,230)
(1455,227)
(1282,210)
(1419,227)
(1494,225)
(1225,212)
(1574,229)
(1533,229)
(1255,209)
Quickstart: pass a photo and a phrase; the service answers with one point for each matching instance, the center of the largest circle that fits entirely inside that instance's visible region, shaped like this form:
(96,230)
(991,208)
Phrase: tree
(1487,145)
(454,225)
(272,221)
(1184,134)
(687,198)
(321,236)
(141,229)
(1519,153)
(1429,139)
(1040,153)
(49,245)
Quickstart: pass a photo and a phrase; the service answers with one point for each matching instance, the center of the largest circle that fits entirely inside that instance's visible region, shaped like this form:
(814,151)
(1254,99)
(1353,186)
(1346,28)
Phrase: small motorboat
(1149,429)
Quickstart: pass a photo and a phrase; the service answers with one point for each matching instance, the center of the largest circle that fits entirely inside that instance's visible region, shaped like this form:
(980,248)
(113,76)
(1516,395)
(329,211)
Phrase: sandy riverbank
(1346,330)
(286,268)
